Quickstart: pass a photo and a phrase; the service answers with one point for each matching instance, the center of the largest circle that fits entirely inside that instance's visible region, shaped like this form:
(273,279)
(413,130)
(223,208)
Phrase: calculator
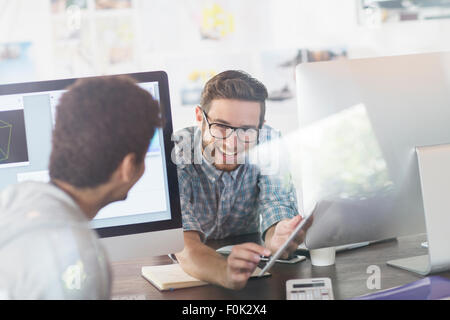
(309,289)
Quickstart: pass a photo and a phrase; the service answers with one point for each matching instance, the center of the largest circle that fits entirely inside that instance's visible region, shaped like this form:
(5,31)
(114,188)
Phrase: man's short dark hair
(234,84)
(98,122)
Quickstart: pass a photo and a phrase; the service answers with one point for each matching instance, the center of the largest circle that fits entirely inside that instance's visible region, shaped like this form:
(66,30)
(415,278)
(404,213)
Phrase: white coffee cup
(323,257)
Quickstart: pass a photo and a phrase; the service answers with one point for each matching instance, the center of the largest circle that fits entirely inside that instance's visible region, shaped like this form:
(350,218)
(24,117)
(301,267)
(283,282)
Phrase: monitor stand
(434,170)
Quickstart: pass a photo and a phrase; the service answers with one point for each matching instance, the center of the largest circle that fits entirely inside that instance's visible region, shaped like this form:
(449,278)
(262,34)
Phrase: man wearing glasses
(221,193)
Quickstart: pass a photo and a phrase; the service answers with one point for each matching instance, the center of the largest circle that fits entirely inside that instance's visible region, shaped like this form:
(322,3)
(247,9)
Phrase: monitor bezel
(175,222)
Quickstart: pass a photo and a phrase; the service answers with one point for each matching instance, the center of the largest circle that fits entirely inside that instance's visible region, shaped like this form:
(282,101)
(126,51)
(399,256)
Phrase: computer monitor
(148,222)
(360,123)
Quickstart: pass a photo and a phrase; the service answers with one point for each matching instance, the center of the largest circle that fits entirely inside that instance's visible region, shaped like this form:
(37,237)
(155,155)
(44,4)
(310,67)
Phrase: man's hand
(204,263)
(277,235)
(242,262)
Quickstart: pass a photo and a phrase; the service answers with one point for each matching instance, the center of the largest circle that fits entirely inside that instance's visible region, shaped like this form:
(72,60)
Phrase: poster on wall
(93,37)
(204,25)
(239,23)
(73,49)
(112,4)
(215,21)
(115,43)
(61,6)
(71,34)
(16,64)
(377,12)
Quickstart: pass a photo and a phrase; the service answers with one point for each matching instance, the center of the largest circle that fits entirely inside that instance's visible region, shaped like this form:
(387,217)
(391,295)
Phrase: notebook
(429,288)
(172,276)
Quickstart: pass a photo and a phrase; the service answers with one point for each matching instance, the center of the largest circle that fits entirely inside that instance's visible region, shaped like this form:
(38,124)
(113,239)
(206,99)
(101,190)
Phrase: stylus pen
(173,258)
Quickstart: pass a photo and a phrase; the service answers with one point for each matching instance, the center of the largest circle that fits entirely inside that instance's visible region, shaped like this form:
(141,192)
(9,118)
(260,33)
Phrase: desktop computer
(148,222)
(373,152)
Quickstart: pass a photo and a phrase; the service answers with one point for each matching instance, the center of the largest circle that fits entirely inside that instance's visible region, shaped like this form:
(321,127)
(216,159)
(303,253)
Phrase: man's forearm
(201,261)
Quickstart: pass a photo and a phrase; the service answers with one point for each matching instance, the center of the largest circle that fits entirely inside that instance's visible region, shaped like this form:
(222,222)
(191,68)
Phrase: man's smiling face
(224,153)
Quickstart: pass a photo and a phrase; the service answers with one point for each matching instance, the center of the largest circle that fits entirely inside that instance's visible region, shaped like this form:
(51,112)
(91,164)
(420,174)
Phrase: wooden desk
(349,275)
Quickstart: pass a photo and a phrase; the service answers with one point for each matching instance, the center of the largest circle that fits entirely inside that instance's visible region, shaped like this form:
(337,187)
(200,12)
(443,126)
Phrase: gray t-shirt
(47,249)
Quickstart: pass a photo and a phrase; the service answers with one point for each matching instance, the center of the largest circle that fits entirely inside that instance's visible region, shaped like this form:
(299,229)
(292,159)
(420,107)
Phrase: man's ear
(127,168)
(199,116)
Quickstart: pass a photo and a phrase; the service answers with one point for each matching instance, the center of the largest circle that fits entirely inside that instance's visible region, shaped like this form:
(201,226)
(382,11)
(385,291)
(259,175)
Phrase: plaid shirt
(219,204)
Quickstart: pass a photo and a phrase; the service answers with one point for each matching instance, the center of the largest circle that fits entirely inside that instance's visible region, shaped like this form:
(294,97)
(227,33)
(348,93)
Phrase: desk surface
(349,275)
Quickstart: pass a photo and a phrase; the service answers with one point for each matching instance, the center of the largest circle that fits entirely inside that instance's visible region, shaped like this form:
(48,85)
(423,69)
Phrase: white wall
(166,38)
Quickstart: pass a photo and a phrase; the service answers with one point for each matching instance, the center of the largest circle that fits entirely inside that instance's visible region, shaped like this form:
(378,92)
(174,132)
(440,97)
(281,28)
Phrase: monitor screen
(360,122)
(27,117)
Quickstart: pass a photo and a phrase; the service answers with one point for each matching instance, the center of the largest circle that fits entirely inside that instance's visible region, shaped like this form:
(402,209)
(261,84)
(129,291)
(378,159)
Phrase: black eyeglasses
(223,131)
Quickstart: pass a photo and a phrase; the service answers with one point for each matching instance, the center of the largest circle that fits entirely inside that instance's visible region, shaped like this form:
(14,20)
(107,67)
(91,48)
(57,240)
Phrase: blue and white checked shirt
(219,204)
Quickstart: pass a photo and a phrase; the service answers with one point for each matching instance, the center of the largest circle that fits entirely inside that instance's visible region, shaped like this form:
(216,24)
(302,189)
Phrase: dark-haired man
(47,249)
(222,196)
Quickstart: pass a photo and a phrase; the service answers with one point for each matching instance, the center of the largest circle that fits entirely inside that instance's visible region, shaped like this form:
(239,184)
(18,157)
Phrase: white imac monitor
(360,123)
(148,222)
